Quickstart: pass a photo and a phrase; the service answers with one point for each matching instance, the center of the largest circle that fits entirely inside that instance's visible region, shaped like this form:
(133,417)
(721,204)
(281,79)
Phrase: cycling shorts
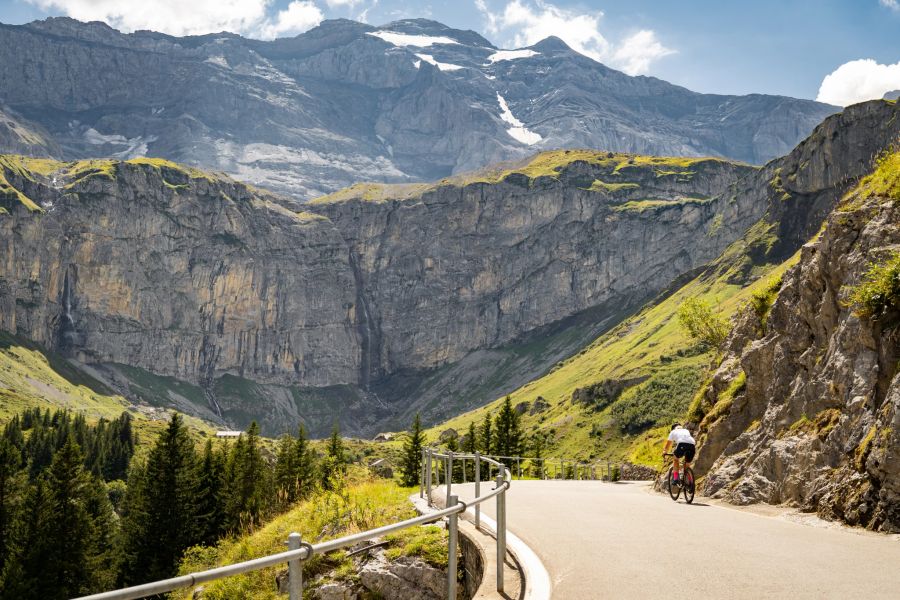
(685,451)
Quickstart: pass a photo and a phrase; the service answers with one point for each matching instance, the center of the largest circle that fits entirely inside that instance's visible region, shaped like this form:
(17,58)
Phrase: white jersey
(680,435)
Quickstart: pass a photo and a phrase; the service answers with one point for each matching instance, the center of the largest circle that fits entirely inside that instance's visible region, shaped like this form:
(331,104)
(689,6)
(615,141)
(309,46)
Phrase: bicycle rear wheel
(688,485)
(674,490)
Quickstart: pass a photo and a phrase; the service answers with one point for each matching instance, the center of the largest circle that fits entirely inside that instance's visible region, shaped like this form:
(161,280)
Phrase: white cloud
(177,17)
(299,16)
(892,4)
(530,21)
(858,81)
(635,53)
(342,3)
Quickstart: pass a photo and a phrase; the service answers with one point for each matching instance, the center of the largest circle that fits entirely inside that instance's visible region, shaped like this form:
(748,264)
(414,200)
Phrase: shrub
(879,291)
(701,323)
(659,401)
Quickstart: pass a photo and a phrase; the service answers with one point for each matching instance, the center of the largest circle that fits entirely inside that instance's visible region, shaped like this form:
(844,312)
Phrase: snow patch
(218,61)
(518,131)
(131,147)
(511,55)
(441,66)
(417,41)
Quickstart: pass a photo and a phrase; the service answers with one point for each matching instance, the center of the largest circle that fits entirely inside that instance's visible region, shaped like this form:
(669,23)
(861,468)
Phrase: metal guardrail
(298,550)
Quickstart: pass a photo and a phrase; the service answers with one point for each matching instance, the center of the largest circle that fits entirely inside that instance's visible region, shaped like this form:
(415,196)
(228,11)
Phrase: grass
(360,506)
(649,343)
(550,164)
(31,376)
(884,181)
(723,403)
(878,293)
(640,206)
(428,543)
(763,299)
(602,186)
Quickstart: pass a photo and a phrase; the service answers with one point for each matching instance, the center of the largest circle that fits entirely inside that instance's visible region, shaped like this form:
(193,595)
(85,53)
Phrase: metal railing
(547,468)
(426,483)
(298,550)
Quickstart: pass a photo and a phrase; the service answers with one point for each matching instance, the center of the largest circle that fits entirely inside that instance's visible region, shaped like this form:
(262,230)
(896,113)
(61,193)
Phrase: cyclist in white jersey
(685,446)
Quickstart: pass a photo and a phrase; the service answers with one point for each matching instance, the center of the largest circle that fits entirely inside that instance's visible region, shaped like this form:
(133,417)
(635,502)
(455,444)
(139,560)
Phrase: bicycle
(685,482)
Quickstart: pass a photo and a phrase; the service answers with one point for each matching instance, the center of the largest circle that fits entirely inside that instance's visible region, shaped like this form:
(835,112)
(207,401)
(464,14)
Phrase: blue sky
(777,47)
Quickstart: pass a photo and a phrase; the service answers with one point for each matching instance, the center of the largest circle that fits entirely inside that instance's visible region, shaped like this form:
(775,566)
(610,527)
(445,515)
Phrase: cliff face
(805,407)
(177,272)
(470,265)
(184,274)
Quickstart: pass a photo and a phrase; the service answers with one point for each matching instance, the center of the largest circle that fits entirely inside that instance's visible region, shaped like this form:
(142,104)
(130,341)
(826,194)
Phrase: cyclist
(685,447)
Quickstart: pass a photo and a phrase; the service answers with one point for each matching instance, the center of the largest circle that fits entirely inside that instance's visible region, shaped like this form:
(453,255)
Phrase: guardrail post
(452,529)
(543,471)
(448,477)
(501,532)
(477,489)
(422,475)
(428,478)
(295,569)
(463,469)
(519,466)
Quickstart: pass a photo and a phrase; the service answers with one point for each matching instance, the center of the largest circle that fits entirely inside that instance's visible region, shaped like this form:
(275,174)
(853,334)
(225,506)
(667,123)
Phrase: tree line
(77,518)
(498,435)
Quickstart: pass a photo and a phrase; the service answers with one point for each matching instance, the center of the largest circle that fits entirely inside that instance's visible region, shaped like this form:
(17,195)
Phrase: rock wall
(178,273)
(805,407)
(191,275)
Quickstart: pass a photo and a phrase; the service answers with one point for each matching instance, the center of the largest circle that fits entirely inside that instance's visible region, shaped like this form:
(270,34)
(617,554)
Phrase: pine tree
(285,472)
(508,433)
(304,464)
(470,444)
(12,492)
(487,437)
(537,444)
(67,548)
(210,500)
(159,518)
(412,454)
(334,465)
(247,482)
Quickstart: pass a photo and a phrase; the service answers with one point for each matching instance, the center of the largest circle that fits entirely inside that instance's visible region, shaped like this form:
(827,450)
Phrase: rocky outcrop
(805,407)
(343,103)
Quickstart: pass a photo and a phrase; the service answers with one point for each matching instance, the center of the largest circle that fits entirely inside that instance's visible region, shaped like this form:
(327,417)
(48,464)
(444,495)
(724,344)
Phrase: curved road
(602,540)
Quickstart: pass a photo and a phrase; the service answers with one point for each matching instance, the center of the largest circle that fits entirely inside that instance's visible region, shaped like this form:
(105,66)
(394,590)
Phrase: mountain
(190,289)
(617,397)
(345,102)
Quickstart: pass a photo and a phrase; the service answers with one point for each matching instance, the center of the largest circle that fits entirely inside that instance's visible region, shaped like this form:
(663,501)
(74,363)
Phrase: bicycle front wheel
(674,490)
(688,485)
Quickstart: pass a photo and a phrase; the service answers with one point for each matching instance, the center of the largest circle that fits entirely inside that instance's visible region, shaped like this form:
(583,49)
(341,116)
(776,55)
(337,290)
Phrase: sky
(836,51)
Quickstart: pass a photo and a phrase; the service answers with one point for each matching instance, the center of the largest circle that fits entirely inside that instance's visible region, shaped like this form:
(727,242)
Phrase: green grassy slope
(30,377)
(659,366)
(550,164)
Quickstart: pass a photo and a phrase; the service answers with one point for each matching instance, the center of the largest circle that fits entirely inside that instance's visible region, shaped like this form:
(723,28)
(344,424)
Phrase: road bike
(684,483)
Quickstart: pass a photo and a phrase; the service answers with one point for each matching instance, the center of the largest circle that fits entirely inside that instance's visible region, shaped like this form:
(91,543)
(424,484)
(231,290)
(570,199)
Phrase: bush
(659,401)
(879,291)
(701,323)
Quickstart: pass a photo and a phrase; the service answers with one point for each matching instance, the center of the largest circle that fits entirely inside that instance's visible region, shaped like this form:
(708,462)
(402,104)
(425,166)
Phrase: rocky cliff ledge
(189,275)
(805,407)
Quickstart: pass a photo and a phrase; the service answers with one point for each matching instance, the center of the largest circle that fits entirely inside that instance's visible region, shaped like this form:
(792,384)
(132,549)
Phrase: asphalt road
(604,540)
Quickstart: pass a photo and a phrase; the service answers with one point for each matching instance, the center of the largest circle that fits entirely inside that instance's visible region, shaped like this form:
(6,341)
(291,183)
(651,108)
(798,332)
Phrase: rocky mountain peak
(413,100)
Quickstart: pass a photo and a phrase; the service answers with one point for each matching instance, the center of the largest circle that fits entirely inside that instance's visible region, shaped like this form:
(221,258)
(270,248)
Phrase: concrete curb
(535,580)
